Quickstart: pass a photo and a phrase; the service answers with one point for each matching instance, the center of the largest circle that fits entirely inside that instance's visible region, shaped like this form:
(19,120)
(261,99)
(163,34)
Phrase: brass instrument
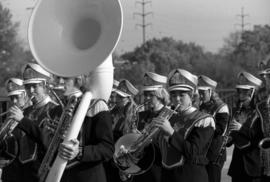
(4,113)
(10,124)
(132,125)
(264,144)
(52,90)
(63,125)
(130,149)
(80,40)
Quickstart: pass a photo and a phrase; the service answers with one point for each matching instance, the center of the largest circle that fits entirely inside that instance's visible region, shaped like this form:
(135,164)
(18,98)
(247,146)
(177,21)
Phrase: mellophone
(131,148)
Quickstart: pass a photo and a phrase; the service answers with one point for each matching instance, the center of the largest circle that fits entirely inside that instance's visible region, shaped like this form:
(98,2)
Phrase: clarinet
(226,136)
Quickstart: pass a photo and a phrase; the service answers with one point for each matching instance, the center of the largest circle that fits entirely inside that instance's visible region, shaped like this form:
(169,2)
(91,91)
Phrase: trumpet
(10,124)
(4,113)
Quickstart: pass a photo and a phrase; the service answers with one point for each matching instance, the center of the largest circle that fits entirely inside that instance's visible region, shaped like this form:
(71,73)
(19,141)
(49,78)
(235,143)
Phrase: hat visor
(264,72)
(122,94)
(35,80)
(204,88)
(182,87)
(15,92)
(246,87)
(151,88)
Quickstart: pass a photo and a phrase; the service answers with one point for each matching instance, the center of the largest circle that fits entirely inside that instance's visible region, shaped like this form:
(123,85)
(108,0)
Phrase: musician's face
(121,101)
(69,85)
(36,90)
(112,100)
(244,95)
(151,98)
(18,100)
(205,95)
(181,97)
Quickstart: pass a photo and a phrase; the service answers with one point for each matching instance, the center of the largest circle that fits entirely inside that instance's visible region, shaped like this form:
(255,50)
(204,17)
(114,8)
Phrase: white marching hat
(206,83)
(126,89)
(153,81)
(14,86)
(179,79)
(34,73)
(247,81)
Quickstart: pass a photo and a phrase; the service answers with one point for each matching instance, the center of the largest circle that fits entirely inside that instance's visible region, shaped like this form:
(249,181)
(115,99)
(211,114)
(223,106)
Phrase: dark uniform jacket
(27,161)
(246,154)
(221,121)
(97,142)
(154,173)
(191,140)
(98,146)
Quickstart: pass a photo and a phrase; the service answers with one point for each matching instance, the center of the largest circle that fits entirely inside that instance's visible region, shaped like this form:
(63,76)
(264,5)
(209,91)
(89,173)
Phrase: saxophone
(132,148)
(63,125)
(264,144)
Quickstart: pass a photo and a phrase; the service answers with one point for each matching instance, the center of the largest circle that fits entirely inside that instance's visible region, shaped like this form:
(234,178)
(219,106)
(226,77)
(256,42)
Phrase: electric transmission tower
(242,24)
(143,15)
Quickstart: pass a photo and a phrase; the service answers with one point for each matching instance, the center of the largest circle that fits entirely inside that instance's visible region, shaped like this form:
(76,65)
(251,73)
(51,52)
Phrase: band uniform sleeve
(100,148)
(222,118)
(197,141)
(31,129)
(249,134)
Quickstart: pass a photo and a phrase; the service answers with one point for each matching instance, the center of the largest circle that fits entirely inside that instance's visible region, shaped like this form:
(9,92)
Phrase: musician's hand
(16,113)
(235,126)
(164,125)
(69,150)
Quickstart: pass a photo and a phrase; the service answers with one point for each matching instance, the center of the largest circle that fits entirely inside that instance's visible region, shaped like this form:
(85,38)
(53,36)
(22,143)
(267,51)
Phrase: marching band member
(212,104)
(246,132)
(9,146)
(124,116)
(186,137)
(71,88)
(156,97)
(263,113)
(93,146)
(35,83)
(124,113)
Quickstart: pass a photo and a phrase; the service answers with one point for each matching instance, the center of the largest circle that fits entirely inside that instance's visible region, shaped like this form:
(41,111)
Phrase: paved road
(225,177)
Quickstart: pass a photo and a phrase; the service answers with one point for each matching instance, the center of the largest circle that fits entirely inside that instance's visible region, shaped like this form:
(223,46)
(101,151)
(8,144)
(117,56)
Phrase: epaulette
(223,109)
(208,121)
(96,107)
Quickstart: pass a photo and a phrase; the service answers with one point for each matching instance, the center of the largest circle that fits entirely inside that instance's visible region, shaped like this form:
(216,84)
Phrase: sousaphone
(74,37)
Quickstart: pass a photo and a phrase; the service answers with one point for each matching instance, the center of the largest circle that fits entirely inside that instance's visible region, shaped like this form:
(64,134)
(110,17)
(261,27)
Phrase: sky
(205,22)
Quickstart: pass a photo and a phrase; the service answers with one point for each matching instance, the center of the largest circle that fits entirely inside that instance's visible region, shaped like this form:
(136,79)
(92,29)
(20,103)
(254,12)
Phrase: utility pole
(143,3)
(243,24)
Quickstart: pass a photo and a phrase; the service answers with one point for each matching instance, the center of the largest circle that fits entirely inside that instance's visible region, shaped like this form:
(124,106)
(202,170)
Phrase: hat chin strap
(252,93)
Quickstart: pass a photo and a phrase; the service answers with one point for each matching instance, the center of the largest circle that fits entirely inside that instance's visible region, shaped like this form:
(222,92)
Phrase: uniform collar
(43,102)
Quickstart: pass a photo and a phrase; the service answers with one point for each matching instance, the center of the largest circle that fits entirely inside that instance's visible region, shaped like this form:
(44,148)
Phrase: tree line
(240,51)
